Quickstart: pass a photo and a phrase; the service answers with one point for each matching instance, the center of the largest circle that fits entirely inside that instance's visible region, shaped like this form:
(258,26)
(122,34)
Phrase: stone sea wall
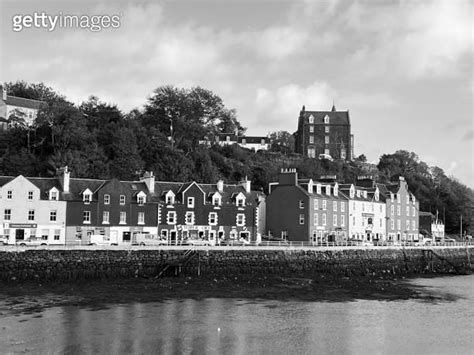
(69,265)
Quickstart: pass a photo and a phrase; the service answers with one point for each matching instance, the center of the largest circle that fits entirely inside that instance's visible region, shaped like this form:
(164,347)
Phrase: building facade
(431,226)
(32,211)
(324,133)
(24,110)
(306,210)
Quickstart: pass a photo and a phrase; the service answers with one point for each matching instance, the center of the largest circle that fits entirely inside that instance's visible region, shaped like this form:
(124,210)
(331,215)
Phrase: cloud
(469,135)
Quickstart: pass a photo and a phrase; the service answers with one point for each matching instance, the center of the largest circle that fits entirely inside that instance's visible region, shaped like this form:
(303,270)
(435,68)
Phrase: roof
(252,139)
(22,102)
(335,117)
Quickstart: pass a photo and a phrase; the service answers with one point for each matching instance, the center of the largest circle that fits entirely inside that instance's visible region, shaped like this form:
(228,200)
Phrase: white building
(25,110)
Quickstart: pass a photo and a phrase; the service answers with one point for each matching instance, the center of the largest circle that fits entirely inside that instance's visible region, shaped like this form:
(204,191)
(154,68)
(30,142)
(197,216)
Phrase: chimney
(149,179)
(220,186)
(64,178)
(246,185)
(288,177)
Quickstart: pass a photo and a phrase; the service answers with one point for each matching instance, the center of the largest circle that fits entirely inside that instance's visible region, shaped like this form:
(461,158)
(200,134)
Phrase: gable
(20,183)
(193,190)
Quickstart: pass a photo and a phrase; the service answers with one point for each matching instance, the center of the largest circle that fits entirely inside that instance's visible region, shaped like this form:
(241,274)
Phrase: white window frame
(240,201)
(171,218)
(240,219)
(301,204)
(326,129)
(343,220)
(326,139)
(123,217)
(311,129)
(190,202)
(311,139)
(86,217)
(334,219)
(324,219)
(334,206)
(7,216)
(31,195)
(53,194)
(324,205)
(141,200)
(9,194)
(315,219)
(343,207)
(106,199)
(86,198)
(189,218)
(31,215)
(123,199)
(53,215)
(141,217)
(212,218)
(105,217)
(301,219)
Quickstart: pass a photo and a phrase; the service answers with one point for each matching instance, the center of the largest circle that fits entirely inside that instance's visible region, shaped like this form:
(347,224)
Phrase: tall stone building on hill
(324,132)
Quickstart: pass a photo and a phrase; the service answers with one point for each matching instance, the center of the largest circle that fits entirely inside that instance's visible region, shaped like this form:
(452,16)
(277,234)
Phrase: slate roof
(335,117)
(252,139)
(22,102)
(5,179)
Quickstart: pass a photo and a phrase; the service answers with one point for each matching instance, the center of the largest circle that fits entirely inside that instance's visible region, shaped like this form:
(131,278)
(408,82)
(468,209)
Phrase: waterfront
(438,321)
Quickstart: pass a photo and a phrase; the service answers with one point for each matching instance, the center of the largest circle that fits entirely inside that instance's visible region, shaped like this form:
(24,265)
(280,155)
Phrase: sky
(403,69)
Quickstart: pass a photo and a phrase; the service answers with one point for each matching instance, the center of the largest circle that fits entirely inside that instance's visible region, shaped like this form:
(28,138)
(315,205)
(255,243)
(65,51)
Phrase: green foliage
(97,140)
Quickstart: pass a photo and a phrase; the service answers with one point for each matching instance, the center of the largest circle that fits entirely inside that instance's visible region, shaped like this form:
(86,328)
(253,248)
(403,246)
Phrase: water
(444,325)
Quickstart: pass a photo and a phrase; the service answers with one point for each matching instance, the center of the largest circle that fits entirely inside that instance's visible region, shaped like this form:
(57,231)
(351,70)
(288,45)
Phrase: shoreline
(33,297)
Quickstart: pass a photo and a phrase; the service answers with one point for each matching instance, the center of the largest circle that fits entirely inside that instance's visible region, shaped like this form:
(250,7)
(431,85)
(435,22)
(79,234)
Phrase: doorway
(20,234)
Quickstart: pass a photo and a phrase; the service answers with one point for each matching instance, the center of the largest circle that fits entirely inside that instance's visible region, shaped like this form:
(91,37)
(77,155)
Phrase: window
(86,216)
(52,215)
(326,129)
(141,217)
(311,139)
(413,225)
(122,199)
(399,198)
(326,139)
(9,195)
(164,233)
(240,219)
(398,211)
(324,219)
(53,195)
(57,234)
(7,215)
(399,224)
(316,204)
(284,234)
(326,151)
(106,199)
(311,129)
(33,233)
(31,215)
(30,195)
(190,202)
(240,202)
(105,217)
(392,210)
(169,198)
(315,219)
(212,218)
(123,217)
(301,218)
(343,220)
(301,204)
(408,199)
(343,207)
(86,198)
(413,211)
(311,119)
(334,220)
(311,153)
(380,222)
(392,224)
(216,200)
(326,119)
(44,234)
(353,221)
(343,154)
(324,205)
(334,206)
(408,211)
(407,225)
(171,217)
(189,218)
(141,199)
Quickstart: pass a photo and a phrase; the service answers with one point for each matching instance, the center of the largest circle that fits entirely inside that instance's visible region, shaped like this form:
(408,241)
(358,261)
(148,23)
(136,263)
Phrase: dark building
(324,132)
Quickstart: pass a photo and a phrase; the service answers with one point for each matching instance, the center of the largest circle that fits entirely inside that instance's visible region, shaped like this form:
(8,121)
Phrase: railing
(263,244)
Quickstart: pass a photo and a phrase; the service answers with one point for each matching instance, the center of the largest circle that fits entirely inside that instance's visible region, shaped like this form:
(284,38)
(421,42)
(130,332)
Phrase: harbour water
(441,323)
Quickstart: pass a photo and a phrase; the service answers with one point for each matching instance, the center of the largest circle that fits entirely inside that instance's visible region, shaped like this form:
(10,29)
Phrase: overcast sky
(403,69)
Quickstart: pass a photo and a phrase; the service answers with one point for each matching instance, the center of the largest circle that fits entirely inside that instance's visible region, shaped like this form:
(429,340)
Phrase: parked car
(99,239)
(32,242)
(148,239)
(325,156)
(198,242)
(3,240)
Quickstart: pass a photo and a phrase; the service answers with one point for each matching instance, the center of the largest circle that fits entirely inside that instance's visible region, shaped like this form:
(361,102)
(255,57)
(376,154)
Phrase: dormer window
(358,193)
(336,190)
(326,119)
(318,189)
(311,119)
(365,194)
(328,190)
(87,196)
(190,202)
(216,199)
(170,198)
(399,198)
(54,194)
(377,197)
(352,192)
(141,198)
(106,199)
(391,196)
(240,201)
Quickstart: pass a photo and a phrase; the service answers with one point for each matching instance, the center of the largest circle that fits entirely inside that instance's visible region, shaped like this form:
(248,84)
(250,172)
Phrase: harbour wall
(46,265)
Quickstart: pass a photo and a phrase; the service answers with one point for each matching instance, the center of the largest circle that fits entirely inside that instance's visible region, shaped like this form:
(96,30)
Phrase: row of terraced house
(65,210)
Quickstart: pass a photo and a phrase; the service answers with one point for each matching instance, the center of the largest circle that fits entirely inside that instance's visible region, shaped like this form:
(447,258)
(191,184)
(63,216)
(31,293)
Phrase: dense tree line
(97,140)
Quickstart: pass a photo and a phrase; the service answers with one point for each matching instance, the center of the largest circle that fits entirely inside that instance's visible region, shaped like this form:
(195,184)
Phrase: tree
(282,141)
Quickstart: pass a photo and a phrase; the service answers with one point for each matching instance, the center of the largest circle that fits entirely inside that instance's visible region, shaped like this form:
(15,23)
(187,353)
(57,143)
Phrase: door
(20,234)
(127,236)
(173,237)
(114,237)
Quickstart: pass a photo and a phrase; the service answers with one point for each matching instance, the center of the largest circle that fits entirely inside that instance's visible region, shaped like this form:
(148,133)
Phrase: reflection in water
(242,326)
